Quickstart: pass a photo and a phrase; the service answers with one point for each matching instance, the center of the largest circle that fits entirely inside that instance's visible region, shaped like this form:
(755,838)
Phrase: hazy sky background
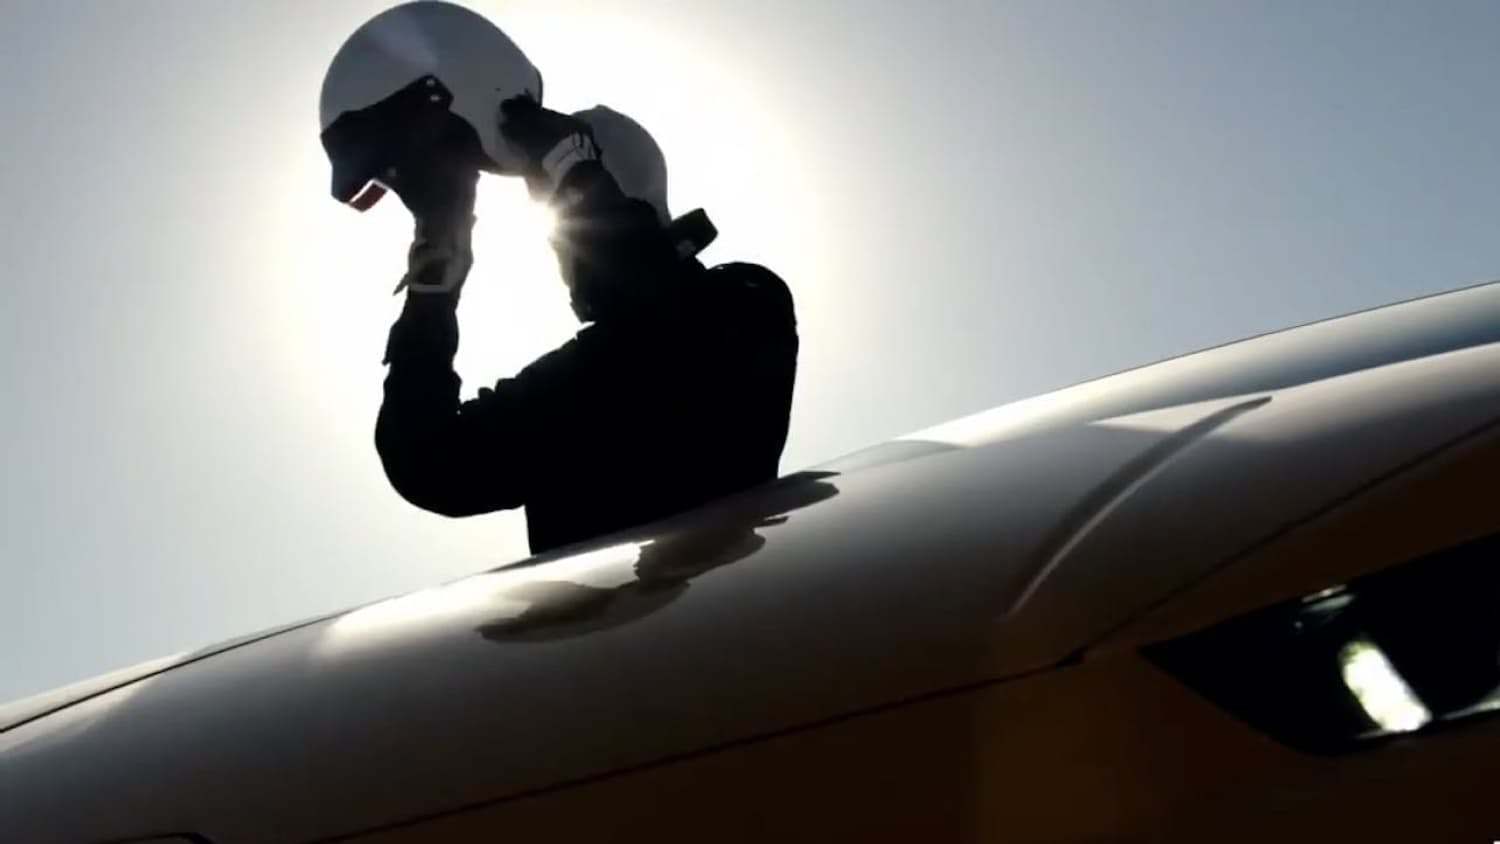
(972,201)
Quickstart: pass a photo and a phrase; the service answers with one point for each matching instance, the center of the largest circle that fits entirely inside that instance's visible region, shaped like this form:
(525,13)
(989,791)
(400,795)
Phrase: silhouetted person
(676,391)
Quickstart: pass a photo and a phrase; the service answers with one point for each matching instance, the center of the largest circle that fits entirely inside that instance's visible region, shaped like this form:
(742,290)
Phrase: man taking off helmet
(678,388)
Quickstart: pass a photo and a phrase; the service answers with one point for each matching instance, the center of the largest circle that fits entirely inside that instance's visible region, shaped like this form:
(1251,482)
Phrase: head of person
(645,250)
(613,259)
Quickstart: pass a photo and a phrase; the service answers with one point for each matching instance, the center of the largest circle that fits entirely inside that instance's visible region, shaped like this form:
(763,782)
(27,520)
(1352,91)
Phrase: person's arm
(483,455)
(768,351)
(462,459)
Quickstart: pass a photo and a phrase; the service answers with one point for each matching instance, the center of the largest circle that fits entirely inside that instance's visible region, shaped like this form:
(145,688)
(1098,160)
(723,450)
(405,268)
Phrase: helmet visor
(357,160)
(362,145)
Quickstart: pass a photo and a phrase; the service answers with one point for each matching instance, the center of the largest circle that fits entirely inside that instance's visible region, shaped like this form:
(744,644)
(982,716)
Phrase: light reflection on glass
(1391,653)
(1490,704)
(1325,594)
(1380,690)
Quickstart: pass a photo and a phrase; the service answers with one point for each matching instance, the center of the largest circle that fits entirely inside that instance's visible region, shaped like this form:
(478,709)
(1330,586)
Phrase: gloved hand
(439,190)
(552,144)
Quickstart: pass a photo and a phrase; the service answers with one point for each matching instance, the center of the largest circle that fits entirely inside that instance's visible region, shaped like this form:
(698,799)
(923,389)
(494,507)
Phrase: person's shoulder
(575,353)
(752,275)
(756,282)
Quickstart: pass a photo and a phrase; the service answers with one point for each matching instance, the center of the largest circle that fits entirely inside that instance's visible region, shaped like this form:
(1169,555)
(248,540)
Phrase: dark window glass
(1405,650)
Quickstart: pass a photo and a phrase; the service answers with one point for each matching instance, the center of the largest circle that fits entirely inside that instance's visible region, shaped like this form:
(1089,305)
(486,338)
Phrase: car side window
(1409,649)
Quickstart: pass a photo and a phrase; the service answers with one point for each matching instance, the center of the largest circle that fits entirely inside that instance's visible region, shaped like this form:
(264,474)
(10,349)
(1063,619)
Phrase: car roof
(1302,354)
(1327,348)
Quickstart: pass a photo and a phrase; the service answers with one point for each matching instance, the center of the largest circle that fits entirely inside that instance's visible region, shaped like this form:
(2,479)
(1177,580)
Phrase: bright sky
(972,201)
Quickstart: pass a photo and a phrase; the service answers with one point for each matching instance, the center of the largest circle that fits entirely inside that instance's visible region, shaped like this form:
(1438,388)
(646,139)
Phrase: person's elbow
(421,487)
(434,497)
(432,476)
(442,505)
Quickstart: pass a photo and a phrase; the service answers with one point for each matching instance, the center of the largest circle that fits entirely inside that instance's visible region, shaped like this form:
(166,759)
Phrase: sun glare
(515,306)
(513,309)
(505,211)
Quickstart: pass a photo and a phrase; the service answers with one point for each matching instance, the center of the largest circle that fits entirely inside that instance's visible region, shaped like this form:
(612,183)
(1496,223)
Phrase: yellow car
(1250,594)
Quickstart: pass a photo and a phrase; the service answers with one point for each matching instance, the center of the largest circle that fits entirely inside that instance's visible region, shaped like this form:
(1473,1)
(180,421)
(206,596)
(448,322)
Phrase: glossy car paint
(940,643)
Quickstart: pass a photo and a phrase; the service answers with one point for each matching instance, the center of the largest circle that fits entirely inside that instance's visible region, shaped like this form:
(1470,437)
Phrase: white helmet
(631,156)
(638,167)
(402,68)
